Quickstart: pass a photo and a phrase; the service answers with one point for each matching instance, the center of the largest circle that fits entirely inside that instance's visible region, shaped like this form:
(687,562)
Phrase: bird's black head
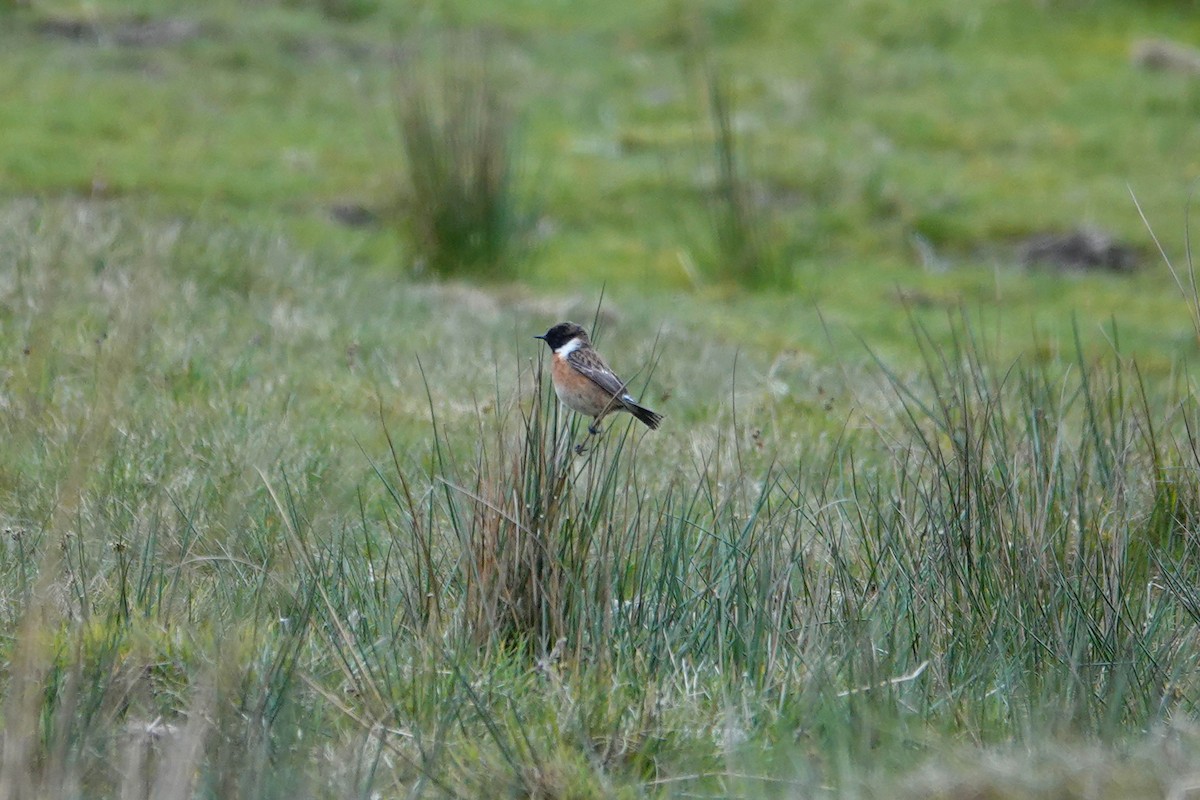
(562,333)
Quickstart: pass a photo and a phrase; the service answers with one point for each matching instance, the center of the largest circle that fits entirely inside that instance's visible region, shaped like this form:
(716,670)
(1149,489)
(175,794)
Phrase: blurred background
(825,148)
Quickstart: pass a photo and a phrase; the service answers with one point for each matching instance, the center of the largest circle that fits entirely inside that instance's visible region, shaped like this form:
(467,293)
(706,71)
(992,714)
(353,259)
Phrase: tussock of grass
(746,250)
(460,204)
(741,242)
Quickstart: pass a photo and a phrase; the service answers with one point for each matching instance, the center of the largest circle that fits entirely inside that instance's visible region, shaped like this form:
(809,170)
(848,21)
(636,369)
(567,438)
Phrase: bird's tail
(650,418)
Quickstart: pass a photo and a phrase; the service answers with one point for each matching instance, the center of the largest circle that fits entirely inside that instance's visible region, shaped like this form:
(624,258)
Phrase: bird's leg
(593,429)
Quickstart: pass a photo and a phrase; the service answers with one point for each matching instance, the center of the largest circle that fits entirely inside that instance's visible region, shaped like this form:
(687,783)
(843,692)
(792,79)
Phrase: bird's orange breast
(578,391)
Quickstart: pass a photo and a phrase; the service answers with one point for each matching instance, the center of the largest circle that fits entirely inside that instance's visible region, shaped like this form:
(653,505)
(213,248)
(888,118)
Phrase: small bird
(584,382)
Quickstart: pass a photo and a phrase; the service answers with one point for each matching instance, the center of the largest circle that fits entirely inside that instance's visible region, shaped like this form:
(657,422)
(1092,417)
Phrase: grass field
(286,512)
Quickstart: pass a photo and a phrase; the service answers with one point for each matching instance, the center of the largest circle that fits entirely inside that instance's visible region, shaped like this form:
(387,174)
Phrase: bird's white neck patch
(570,347)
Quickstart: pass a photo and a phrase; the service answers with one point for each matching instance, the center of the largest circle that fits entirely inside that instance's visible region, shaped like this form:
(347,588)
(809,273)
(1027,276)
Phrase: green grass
(281,519)
(865,123)
(250,534)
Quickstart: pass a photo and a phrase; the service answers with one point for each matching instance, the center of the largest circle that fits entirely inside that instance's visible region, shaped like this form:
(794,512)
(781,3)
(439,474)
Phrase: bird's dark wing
(590,364)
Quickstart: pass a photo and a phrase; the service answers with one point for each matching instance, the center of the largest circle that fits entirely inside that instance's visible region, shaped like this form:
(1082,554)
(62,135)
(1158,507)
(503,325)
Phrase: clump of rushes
(519,534)
(739,227)
(458,205)
(528,520)
(742,244)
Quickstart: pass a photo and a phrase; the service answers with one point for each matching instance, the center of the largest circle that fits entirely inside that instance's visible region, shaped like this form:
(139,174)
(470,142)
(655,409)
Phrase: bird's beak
(542,337)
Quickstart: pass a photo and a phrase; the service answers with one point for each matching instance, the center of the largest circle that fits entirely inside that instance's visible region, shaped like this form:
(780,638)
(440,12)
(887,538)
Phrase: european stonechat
(585,383)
